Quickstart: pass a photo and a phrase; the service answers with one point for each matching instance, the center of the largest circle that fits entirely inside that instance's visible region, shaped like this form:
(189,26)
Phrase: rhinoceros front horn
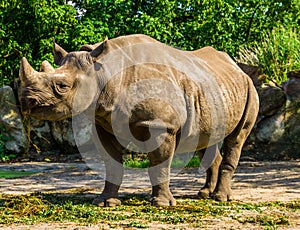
(26,71)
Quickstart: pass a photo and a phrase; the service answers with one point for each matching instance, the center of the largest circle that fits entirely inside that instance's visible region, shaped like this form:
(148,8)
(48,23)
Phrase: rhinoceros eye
(61,87)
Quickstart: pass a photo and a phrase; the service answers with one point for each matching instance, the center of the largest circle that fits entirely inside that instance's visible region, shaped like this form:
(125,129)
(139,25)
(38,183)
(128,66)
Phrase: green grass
(14,174)
(130,163)
(176,163)
(277,53)
(137,212)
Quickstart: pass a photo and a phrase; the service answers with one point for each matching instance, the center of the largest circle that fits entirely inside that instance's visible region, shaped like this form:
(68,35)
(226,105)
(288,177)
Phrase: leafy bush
(28,26)
(277,53)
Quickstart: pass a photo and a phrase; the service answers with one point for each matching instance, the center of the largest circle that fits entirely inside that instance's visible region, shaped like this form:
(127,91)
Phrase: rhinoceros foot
(109,202)
(221,196)
(204,193)
(163,201)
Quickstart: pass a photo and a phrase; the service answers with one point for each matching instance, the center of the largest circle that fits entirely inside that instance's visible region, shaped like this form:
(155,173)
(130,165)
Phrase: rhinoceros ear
(98,50)
(87,48)
(59,53)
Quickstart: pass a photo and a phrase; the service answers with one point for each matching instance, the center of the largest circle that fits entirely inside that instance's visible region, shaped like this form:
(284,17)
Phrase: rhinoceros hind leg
(232,150)
(232,147)
(211,172)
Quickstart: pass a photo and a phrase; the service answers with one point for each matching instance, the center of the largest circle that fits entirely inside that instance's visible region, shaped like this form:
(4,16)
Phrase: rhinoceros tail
(251,108)
(234,142)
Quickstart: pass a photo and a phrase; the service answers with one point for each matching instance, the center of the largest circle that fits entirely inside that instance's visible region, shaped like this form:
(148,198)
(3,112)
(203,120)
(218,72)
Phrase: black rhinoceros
(160,98)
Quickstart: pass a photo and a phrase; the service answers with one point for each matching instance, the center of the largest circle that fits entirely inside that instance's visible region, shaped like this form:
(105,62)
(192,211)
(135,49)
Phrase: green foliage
(194,162)
(190,24)
(28,26)
(278,53)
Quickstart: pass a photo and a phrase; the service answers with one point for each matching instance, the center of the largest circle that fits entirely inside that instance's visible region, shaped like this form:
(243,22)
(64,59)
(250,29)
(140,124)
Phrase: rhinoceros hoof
(161,201)
(219,196)
(110,202)
(204,193)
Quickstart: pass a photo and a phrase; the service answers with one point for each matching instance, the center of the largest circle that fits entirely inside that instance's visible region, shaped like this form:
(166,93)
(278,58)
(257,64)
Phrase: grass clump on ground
(136,211)
(14,174)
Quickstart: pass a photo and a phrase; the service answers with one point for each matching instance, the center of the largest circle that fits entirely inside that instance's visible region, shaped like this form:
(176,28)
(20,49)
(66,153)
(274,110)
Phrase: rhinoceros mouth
(45,113)
(31,106)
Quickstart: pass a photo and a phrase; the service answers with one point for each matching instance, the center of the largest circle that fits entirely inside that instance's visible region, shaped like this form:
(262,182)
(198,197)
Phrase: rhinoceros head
(58,93)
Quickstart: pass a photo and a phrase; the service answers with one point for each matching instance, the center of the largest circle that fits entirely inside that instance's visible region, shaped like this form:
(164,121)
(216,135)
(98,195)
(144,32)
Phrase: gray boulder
(292,86)
(62,132)
(11,122)
(270,129)
(67,138)
(40,134)
(271,99)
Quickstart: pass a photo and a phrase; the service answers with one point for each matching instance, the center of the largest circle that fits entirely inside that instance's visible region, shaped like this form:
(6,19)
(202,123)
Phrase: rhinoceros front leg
(159,171)
(114,170)
(212,164)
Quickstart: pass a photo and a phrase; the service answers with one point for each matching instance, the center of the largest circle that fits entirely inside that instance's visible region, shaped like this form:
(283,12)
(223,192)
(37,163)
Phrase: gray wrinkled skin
(159,98)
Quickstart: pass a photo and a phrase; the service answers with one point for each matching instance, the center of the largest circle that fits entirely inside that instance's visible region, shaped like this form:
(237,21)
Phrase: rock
(254,72)
(292,123)
(292,86)
(276,137)
(271,98)
(52,136)
(40,134)
(294,74)
(82,129)
(63,133)
(11,121)
(58,135)
(270,129)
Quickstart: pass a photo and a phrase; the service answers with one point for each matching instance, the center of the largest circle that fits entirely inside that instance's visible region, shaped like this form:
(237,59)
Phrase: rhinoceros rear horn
(46,67)
(59,53)
(98,50)
(26,71)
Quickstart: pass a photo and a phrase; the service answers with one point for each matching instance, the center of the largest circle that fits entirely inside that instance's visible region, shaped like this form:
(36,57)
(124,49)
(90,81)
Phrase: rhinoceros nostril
(32,102)
(28,103)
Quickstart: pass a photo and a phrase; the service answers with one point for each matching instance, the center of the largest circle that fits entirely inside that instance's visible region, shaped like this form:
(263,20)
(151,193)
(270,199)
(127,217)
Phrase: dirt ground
(253,182)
